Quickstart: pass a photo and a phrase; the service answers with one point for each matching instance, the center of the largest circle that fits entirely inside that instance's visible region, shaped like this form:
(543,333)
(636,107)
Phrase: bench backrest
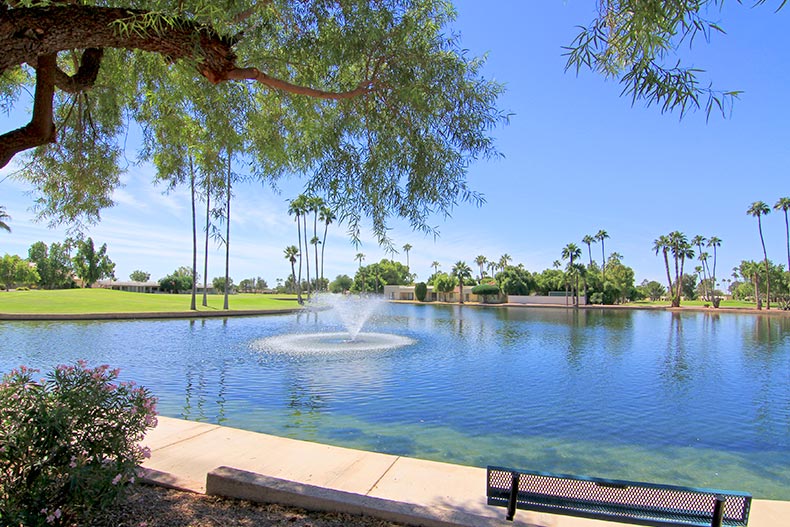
(626,501)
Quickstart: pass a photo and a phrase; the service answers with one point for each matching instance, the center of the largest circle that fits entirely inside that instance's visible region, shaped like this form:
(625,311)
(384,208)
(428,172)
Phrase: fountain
(353,311)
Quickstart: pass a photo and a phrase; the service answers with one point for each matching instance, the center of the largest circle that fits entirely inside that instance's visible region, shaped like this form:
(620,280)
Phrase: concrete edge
(158,478)
(145,315)
(240,484)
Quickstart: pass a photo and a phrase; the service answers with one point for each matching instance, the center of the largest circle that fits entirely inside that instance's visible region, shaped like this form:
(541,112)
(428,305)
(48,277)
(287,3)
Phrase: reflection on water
(687,398)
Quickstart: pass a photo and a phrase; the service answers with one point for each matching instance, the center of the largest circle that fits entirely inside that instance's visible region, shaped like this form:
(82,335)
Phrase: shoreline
(165,315)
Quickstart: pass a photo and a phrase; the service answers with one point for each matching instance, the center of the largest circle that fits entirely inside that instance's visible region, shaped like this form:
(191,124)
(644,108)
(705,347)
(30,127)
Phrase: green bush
(485,290)
(420,291)
(69,443)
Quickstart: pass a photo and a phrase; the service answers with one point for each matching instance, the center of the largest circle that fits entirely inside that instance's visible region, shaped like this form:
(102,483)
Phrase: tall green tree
(139,276)
(14,271)
(638,43)
(571,252)
(757,210)
(406,248)
(326,216)
(698,241)
(326,86)
(588,240)
(782,204)
(681,251)
(714,242)
(481,260)
(291,252)
(504,261)
(91,265)
(661,244)
(462,272)
(601,236)
(53,265)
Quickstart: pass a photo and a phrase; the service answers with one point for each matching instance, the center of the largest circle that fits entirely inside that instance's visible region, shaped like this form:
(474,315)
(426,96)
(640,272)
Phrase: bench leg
(718,511)
(511,503)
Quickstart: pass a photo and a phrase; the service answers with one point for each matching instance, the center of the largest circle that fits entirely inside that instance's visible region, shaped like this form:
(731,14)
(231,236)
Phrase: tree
(661,244)
(443,283)
(291,252)
(515,280)
(361,67)
(589,240)
(420,291)
(341,284)
(571,252)
(481,260)
(179,280)
(326,216)
(652,290)
(782,204)
(636,42)
(462,272)
(139,276)
(15,271)
(53,265)
(316,204)
(750,271)
(715,243)
(681,250)
(219,284)
(504,261)
(4,217)
(600,236)
(406,249)
(91,265)
(758,209)
(698,241)
(435,266)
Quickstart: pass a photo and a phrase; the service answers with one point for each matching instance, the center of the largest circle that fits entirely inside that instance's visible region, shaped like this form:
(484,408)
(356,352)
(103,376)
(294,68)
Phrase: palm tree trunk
(767,275)
(227,237)
(205,254)
(298,284)
(306,253)
(787,232)
(192,303)
(323,247)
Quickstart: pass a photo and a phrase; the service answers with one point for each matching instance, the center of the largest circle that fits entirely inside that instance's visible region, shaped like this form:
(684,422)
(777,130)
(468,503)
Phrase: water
(690,399)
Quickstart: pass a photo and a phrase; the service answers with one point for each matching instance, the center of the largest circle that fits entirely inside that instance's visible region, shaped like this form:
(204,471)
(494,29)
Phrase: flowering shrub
(68,443)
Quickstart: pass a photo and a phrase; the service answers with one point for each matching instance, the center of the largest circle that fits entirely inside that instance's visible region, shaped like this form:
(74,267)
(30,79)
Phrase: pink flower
(116,479)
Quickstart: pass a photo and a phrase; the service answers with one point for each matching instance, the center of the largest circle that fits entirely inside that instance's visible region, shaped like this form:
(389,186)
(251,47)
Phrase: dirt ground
(149,506)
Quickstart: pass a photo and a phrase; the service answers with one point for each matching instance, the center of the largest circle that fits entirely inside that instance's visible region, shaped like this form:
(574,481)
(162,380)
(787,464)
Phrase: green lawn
(106,301)
(698,303)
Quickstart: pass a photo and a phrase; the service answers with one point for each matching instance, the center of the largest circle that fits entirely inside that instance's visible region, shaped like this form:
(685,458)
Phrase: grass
(88,301)
(697,303)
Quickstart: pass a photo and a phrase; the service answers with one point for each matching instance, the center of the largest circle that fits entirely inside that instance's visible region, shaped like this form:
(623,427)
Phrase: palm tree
(315,241)
(296,209)
(481,262)
(327,216)
(462,272)
(601,235)
(291,252)
(758,209)
(783,204)
(750,270)
(492,266)
(662,244)
(406,249)
(681,250)
(698,241)
(316,204)
(435,266)
(504,260)
(227,229)
(589,240)
(4,217)
(572,252)
(714,242)
(359,257)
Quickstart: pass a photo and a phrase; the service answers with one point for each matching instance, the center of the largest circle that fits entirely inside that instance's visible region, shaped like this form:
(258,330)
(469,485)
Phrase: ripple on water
(330,342)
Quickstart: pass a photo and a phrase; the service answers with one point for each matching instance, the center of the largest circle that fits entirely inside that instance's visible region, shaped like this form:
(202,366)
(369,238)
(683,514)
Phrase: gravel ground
(148,506)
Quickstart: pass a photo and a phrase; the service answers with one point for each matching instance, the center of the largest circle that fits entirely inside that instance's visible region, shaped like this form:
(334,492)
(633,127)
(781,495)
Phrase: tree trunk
(767,271)
(205,255)
(306,253)
(192,303)
(227,237)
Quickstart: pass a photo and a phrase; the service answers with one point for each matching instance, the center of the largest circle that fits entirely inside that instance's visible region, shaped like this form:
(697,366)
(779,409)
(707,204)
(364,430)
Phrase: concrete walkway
(187,454)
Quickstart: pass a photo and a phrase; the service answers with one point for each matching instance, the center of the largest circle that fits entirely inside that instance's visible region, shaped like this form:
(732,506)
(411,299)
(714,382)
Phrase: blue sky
(577,158)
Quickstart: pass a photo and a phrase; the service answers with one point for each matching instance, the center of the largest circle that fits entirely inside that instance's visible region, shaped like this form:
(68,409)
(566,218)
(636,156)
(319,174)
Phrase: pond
(700,399)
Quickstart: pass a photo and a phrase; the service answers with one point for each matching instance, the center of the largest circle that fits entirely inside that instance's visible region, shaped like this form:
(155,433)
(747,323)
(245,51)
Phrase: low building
(129,286)
(406,293)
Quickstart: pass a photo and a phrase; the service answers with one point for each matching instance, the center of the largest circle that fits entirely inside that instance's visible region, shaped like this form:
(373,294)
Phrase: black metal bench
(622,501)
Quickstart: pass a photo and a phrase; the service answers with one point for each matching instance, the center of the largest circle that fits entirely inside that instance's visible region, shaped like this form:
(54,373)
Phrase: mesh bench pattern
(623,501)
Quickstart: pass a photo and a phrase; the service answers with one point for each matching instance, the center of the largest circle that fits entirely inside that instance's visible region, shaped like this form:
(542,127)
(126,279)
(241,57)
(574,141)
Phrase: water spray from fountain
(353,312)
